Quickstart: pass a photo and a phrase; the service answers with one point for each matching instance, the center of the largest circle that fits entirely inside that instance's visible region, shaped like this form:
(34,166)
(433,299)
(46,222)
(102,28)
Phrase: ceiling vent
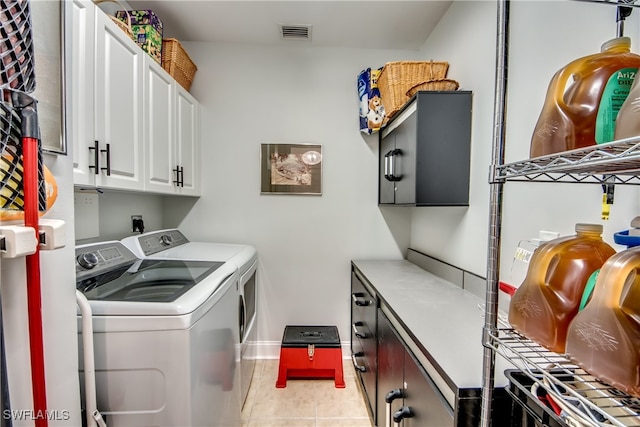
(295,32)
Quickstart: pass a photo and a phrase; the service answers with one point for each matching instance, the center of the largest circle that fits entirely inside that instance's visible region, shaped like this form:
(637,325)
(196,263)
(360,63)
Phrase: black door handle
(402,413)
(107,151)
(96,157)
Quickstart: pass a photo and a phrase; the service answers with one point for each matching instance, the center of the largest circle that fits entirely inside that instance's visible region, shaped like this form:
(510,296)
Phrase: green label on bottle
(615,92)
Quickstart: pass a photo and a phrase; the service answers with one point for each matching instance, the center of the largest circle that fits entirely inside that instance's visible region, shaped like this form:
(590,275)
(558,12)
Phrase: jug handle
(620,286)
(544,254)
(559,83)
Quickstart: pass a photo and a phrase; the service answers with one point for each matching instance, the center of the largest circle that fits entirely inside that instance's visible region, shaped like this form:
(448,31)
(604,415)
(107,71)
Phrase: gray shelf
(611,163)
(566,381)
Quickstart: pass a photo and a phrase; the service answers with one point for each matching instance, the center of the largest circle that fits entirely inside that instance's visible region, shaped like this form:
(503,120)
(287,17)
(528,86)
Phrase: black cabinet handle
(386,165)
(179,181)
(96,157)
(402,413)
(356,332)
(392,165)
(107,151)
(360,302)
(177,171)
(394,394)
(358,368)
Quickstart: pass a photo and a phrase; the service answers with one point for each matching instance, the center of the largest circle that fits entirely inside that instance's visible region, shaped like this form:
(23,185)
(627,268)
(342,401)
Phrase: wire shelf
(616,162)
(602,404)
(613,2)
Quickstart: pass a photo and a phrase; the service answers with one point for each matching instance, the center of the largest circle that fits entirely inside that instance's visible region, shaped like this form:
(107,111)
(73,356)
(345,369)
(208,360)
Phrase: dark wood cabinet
(406,394)
(425,151)
(364,304)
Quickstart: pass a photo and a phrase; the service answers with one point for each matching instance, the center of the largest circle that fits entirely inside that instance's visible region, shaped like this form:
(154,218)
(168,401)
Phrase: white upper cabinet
(171,126)
(187,142)
(132,127)
(159,128)
(80,30)
(118,106)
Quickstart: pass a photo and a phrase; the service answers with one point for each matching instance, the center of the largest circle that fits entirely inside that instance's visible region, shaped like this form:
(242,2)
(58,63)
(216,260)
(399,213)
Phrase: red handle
(507,288)
(30,182)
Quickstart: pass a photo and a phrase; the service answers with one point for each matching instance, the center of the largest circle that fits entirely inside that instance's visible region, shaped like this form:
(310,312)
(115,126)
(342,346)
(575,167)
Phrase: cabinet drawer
(364,363)
(363,321)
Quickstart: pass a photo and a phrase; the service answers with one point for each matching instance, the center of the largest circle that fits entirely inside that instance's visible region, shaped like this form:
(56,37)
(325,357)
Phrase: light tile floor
(303,403)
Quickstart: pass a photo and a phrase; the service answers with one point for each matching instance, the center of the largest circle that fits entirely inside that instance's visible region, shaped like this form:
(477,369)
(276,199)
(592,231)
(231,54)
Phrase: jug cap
(617,42)
(589,228)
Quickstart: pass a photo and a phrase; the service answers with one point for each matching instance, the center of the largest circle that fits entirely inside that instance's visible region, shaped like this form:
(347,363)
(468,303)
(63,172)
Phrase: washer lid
(158,281)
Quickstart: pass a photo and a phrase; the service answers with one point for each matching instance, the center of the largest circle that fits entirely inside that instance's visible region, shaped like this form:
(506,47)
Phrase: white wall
(544,36)
(116,208)
(58,313)
(259,94)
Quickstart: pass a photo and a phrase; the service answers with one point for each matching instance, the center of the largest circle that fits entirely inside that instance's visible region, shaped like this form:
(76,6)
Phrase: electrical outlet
(137,224)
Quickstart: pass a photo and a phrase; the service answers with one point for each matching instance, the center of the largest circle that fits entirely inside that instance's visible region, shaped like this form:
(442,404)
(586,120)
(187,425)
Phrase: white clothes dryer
(173,244)
(165,338)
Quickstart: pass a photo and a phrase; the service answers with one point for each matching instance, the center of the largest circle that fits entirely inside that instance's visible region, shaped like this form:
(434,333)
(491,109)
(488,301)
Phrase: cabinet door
(79,36)
(391,355)
(405,160)
(444,135)
(386,189)
(427,405)
(159,131)
(118,105)
(188,142)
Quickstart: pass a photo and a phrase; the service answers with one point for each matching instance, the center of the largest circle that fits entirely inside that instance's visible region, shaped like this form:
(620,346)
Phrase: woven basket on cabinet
(124,26)
(177,63)
(396,78)
(435,85)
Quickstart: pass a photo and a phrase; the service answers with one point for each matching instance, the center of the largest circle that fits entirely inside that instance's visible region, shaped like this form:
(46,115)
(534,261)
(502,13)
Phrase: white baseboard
(271,349)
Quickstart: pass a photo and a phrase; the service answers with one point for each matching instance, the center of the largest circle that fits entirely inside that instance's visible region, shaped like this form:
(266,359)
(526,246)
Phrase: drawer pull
(401,414)
(356,332)
(358,368)
(360,302)
(389,398)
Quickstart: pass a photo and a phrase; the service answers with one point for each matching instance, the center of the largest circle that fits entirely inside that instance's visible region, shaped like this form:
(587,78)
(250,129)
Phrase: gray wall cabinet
(425,151)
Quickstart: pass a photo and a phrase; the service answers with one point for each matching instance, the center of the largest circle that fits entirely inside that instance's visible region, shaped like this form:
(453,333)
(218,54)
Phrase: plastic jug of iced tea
(628,121)
(604,338)
(549,297)
(583,99)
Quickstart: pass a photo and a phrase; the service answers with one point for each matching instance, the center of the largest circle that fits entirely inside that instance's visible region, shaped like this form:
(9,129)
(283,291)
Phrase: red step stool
(310,352)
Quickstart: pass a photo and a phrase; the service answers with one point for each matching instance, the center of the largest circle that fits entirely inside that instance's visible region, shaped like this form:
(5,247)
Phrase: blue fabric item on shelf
(371,108)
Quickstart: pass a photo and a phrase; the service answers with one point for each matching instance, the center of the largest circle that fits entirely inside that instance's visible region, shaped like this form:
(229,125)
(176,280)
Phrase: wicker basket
(437,84)
(177,63)
(124,26)
(397,78)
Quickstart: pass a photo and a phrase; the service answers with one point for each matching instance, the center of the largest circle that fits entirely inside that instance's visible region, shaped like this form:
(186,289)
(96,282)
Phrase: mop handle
(30,154)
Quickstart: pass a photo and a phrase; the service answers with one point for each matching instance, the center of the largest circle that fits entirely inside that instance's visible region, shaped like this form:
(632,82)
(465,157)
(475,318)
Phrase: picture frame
(291,169)
(47,20)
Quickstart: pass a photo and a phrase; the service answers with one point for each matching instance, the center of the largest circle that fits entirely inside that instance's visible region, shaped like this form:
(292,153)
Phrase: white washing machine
(165,338)
(173,244)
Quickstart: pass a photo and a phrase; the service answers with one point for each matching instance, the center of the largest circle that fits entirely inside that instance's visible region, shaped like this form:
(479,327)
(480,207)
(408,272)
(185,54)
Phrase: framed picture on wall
(291,169)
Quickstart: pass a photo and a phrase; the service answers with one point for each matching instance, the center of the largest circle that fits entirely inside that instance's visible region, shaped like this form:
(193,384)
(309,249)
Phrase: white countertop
(445,319)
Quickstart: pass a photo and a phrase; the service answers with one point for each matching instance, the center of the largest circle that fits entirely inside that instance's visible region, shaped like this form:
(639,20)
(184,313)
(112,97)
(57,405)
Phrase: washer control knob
(88,260)
(166,239)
